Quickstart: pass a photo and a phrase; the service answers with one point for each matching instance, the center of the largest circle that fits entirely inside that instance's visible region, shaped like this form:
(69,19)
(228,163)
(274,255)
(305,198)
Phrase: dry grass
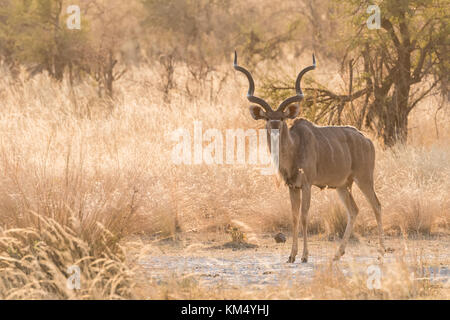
(36,264)
(399,281)
(80,173)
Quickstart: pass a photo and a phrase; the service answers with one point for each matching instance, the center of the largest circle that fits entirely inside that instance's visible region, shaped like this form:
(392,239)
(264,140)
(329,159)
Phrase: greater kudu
(322,156)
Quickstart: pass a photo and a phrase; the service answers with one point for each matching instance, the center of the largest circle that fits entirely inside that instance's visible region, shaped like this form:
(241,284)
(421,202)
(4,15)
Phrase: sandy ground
(266,265)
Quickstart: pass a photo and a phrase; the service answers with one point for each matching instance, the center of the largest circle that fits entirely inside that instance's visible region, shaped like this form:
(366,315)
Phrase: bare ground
(265,266)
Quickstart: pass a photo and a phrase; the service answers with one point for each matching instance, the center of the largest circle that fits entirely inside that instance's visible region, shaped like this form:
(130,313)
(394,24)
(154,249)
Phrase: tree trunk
(395,116)
(109,74)
(395,128)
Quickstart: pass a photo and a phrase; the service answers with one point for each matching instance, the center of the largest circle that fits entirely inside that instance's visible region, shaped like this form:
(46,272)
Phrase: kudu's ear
(292,111)
(257,113)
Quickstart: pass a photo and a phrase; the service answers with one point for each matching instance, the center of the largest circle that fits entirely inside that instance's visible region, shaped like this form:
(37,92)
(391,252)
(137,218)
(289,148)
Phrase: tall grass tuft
(36,264)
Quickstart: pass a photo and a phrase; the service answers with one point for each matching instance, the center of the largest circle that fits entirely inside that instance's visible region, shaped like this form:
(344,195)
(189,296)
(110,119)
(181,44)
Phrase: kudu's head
(286,110)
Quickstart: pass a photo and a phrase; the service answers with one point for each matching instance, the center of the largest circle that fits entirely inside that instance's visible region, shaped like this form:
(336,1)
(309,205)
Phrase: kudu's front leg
(295,203)
(306,200)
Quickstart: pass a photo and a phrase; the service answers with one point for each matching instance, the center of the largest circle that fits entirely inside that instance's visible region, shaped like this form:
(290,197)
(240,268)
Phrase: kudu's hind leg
(352,212)
(295,203)
(369,193)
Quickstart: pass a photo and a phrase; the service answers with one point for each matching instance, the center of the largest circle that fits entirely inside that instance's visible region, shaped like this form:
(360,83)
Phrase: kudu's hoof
(291,259)
(304,260)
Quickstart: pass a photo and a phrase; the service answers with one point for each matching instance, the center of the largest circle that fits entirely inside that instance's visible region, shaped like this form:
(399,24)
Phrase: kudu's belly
(333,169)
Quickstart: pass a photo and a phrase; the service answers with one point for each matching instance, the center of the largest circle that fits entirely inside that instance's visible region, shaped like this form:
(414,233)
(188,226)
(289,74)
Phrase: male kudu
(322,156)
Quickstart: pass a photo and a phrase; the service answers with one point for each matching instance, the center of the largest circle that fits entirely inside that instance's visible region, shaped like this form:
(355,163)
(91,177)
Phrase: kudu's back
(333,155)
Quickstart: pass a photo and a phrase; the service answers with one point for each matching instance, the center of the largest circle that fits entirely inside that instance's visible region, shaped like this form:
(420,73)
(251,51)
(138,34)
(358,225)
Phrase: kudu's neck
(286,149)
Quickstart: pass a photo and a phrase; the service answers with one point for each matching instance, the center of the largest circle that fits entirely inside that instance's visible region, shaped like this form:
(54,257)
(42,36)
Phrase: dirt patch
(235,265)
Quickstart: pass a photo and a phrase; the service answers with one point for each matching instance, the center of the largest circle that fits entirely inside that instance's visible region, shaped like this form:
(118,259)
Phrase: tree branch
(387,25)
(423,95)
